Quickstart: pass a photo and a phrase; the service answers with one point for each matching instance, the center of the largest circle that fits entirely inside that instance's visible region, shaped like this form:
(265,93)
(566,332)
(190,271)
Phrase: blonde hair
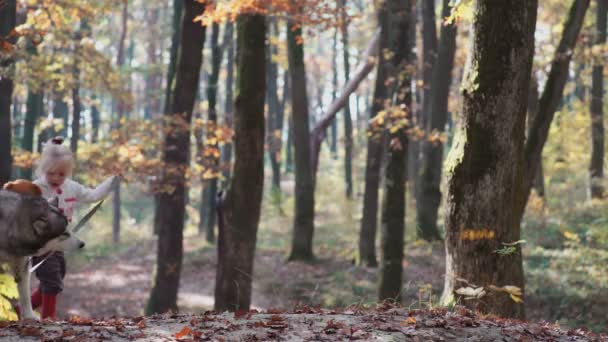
(54,154)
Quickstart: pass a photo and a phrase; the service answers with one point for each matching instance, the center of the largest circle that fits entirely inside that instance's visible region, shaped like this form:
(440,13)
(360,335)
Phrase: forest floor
(302,324)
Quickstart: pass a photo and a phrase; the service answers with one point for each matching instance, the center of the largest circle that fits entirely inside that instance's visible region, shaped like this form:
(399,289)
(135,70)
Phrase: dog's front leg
(22,277)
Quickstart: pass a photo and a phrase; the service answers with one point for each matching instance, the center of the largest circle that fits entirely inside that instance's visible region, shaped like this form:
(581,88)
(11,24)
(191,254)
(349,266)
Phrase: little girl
(53,177)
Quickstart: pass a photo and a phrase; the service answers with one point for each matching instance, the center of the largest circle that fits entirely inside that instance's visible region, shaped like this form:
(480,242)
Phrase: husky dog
(30,226)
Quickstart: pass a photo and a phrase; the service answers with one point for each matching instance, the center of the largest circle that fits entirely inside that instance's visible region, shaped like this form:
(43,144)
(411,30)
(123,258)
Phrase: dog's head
(47,225)
(65,242)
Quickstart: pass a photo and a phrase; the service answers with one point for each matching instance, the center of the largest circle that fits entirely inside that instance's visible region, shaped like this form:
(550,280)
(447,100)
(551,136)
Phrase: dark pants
(50,273)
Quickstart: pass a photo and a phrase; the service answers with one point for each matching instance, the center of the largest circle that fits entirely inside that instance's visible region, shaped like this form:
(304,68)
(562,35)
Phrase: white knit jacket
(72,193)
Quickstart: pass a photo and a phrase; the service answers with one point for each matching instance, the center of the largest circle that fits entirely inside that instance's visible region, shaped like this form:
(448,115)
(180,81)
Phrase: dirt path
(119,285)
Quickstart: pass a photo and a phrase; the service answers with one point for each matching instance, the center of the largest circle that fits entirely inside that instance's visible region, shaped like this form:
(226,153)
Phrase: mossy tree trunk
(486,163)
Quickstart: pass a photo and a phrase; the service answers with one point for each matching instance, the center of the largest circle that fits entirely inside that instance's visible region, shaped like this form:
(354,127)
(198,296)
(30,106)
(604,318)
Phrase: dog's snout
(80,244)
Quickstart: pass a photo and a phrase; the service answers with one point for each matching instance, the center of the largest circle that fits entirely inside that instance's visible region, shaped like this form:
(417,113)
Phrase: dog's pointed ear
(39,227)
(54,202)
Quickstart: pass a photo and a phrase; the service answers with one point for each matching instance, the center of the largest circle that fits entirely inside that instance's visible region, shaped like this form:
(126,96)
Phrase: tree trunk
(429,53)
(375,143)
(289,147)
(400,15)
(538,184)
(550,99)
(76,103)
(61,111)
(303,227)
(152,105)
(239,213)
(333,146)
(320,128)
(8,16)
(348,122)
(228,106)
(33,110)
(120,112)
(429,196)
(176,151)
(486,162)
(274,119)
(95,119)
(596,168)
(178,10)
(212,159)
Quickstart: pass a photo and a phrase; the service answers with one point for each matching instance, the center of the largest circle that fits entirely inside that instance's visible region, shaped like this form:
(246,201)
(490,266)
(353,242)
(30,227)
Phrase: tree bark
(348,122)
(239,213)
(76,102)
(596,168)
(153,76)
(303,226)
(120,112)
(486,162)
(369,222)
(178,11)
(33,110)
(228,106)
(550,98)
(538,183)
(95,119)
(402,26)
(8,17)
(212,160)
(176,151)
(333,146)
(275,120)
(429,196)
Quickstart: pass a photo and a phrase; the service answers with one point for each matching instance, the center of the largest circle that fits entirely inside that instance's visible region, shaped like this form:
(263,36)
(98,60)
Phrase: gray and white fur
(30,226)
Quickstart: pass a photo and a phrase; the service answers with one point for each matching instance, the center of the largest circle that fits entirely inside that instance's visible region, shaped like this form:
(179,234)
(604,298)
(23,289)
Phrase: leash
(82,221)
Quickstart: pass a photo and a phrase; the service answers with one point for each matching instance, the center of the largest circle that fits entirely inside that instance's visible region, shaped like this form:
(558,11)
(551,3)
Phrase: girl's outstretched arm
(88,195)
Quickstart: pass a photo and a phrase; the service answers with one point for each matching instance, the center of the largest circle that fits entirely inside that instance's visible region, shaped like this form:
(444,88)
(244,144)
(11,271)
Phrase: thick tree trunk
(176,151)
(375,143)
(303,226)
(550,98)
(486,162)
(8,16)
(229,104)
(402,26)
(596,168)
(348,122)
(429,195)
(239,213)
